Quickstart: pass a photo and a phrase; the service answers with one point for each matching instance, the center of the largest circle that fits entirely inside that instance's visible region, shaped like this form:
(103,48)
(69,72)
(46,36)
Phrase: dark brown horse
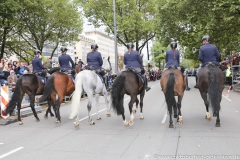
(57,86)
(32,86)
(173,84)
(131,84)
(211,84)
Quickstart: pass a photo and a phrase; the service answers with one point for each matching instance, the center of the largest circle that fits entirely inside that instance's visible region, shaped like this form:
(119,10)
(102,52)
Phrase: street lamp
(115,35)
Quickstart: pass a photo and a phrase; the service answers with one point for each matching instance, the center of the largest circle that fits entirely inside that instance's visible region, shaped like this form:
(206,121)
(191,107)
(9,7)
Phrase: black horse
(131,84)
(32,86)
(211,84)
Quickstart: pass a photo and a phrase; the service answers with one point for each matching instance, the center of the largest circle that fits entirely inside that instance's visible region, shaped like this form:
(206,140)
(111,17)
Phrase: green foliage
(40,22)
(136,19)
(189,20)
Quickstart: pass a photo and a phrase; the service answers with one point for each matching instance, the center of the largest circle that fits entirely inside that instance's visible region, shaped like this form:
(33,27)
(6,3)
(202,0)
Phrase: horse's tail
(15,97)
(169,95)
(116,98)
(48,88)
(214,90)
(76,98)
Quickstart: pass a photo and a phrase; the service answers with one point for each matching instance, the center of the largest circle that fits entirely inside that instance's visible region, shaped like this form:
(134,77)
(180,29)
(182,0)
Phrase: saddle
(172,67)
(209,64)
(138,74)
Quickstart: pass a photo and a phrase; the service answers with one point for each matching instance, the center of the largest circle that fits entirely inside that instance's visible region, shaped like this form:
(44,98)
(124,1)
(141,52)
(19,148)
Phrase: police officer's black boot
(146,84)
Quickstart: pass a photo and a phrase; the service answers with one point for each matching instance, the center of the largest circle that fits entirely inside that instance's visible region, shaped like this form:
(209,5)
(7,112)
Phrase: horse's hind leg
(205,99)
(141,105)
(89,106)
(218,120)
(179,103)
(137,103)
(19,105)
(32,99)
(170,116)
(107,102)
(97,105)
(49,108)
(130,105)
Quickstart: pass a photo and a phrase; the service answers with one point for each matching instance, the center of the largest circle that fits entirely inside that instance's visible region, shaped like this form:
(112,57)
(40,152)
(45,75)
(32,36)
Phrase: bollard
(4,100)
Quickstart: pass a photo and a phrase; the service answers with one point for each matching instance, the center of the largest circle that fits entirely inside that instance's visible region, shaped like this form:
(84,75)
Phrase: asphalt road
(148,139)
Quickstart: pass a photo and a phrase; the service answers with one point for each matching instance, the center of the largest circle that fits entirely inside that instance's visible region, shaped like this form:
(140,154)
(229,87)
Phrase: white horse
(91,83)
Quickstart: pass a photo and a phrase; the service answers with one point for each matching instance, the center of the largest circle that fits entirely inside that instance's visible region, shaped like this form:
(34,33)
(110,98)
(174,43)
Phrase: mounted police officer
(94,59)
(208,52)
(172,57)
(133,60)
(37,63)
(95,62)
(64,62)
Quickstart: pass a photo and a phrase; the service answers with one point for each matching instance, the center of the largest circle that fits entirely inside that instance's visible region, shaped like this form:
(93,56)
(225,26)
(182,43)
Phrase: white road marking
(164,117)
(11,152)
(99,111)
(226,98)
(1,143)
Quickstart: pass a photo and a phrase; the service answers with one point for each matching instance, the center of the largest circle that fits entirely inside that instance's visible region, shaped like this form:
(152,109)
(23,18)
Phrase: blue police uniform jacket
(94,59)
(170,60)
(208,53)
(37,65)
(64,62)
(132,60)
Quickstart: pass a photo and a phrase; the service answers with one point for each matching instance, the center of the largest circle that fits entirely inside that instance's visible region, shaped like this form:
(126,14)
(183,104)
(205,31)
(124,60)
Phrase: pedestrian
(80,63)
(12,80)
(133,60)
(48,63)
(208,52)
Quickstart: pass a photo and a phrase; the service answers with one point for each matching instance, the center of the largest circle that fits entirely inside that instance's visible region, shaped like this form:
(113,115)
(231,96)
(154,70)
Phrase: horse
(127,82)
(173,84)
(91,83)
(58,86)
(211,84)
(32,86)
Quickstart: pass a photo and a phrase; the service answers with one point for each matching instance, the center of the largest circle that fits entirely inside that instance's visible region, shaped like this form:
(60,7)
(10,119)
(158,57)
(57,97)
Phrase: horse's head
(106,64)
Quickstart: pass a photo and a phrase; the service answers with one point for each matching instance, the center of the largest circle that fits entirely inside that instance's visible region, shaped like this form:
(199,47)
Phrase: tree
(189,20)
(48,21)
(8,10)
(136,19)
(159,49)
(42,22)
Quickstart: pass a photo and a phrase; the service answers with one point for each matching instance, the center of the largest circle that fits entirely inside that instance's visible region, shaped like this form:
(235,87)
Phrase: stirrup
(147,88)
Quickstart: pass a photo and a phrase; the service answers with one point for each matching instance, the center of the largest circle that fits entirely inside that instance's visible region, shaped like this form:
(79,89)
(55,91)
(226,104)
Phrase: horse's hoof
(142,117)
(217,125)
(45,116)
(92,123)
(52,115)
(20,123)
(76,126)
(131,123)
(58,123)
(37,120)
(125,123)
(108,114)
(170,125)
(99,118)
(175,116)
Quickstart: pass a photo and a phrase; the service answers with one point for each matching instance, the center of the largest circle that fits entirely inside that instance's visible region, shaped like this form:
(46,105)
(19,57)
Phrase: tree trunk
(3,41)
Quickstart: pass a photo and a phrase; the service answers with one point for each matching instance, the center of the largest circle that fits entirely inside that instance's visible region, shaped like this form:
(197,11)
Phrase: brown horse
(128,83)
(211,84)
(32,86)
(57,86)
(173,84)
